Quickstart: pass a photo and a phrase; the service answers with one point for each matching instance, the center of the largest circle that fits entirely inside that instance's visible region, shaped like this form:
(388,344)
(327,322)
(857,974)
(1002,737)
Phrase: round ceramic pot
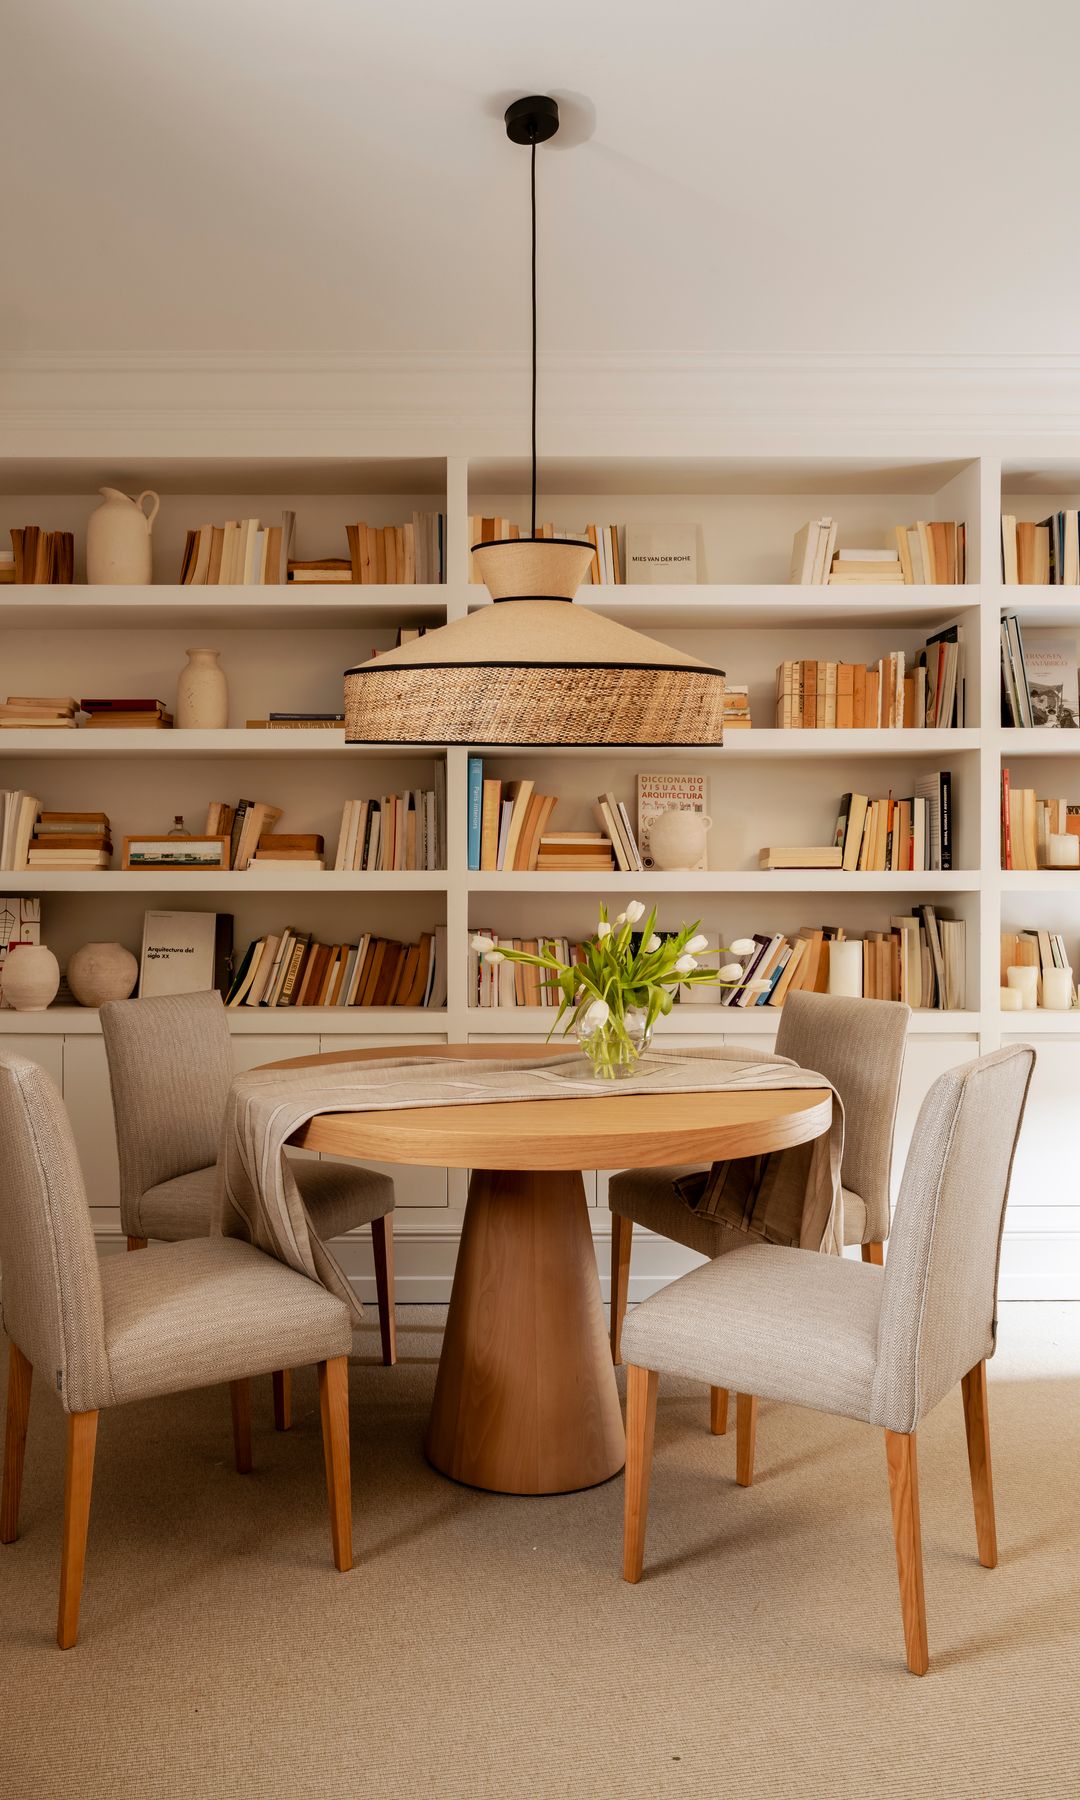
(100,972)
(31,977)
(202,693)
(677,839)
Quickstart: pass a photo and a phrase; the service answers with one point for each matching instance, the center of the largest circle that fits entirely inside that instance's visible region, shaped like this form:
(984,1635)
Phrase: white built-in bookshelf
(284,648)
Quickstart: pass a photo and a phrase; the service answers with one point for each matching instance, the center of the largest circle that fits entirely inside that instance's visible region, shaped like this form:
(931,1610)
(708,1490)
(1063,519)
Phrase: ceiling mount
(533,120)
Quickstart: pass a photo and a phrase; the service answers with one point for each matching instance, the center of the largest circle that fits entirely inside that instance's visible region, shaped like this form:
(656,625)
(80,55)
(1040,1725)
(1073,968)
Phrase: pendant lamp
(533,668)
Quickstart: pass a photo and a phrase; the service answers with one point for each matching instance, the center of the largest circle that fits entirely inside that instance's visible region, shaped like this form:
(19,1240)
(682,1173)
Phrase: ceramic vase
(100,972)
(118,551)
(677,839)
(202,693)
(31,977)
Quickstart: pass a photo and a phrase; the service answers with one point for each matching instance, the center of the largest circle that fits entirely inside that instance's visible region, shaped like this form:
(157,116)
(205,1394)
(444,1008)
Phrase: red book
(92,706)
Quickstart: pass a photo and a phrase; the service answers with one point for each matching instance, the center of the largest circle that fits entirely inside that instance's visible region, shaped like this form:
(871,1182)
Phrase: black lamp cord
(533,190)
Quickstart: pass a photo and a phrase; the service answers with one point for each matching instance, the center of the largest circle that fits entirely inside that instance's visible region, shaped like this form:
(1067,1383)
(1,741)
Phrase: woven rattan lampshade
(534,672)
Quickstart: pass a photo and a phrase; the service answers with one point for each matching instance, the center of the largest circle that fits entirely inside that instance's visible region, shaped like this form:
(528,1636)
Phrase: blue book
(476,808)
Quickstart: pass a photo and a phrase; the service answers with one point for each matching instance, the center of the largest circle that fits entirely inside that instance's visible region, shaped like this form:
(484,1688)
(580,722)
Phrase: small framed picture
(176,853)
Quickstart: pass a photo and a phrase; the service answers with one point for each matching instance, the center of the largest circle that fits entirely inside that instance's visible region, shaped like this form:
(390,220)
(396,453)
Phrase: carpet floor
(485,1646)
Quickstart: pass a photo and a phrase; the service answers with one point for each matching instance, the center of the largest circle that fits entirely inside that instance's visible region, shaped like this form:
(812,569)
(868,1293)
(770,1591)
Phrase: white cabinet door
(1040,1257)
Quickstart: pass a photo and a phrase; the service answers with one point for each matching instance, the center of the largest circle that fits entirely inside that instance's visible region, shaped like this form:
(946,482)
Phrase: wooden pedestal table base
(525,1400)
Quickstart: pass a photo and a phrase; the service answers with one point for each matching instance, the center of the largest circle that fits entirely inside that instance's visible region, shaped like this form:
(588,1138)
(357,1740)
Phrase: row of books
(41,558)
(518,984)
(921,959)
(889,835)
(397,831)
(242,552)
(290,968)
(606,569)
(1042,553)
(855,696)
(1039,683)
(929,553)
(508,829)
(1028,824)
(414,552)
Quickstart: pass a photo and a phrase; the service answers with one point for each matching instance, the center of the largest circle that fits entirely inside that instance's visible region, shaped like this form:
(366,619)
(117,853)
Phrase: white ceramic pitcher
(118,539)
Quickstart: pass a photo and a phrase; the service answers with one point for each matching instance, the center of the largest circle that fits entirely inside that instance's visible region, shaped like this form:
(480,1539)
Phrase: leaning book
(184,953)
(1052,680)
(658,794)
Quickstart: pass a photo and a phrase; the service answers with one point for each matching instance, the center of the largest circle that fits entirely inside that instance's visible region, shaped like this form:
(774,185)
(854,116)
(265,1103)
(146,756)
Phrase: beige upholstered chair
(858,1045)
(881,1345)
(170,1069)
(179,1316)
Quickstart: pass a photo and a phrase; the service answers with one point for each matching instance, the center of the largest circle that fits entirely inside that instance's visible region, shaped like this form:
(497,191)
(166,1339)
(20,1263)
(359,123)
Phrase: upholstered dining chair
(182,1315)
(883,1345)
(858,1045)
(170,1068)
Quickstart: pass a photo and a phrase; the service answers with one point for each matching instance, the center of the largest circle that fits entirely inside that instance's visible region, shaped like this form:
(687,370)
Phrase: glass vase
(614,1052)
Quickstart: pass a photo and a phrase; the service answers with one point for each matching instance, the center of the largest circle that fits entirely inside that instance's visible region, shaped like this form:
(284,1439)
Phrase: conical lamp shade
(533,568)
(534,671)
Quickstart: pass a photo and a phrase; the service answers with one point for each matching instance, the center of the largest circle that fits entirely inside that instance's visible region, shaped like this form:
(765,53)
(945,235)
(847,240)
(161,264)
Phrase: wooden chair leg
(977,1424)
(135,1243)
(334,1405)
(718,1410)
(282,1379)
(240,1393)
(20,1375)
(622,1242)
(745,1438)
(78,1483)
(874,1253)
(382,1244)
(641,1387)
(904,1493)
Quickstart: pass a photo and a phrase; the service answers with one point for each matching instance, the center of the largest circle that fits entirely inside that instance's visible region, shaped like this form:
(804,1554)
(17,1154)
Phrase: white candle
(846,968)
(1025,981)
(1063,850)
(1011,1000)
(1057,987)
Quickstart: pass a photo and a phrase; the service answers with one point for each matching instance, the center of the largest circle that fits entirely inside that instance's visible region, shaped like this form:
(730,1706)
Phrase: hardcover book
(1052,681)
(666,793)
(659,554)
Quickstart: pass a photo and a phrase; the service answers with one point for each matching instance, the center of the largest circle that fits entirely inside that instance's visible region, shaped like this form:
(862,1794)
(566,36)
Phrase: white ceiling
(331,178)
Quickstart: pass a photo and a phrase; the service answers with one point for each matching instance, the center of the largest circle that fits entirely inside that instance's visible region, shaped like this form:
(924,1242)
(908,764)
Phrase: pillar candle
(846,967)
(1063,850)
(1057,986)
(1025,981)
(1011,1000)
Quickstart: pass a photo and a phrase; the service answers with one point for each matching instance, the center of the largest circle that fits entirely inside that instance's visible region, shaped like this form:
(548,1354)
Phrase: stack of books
(135,715)
(289,968)
(920,959)
(1039,685)
(736,707)
(300,721)
(913,835)
(305,848)
(856,697)
(854,568)
(397,831)
(320,571)
(243,824)
(573,852)
(18,811)
(395,554)
(30,713)
(71,840)
(241,552)
(1028,824)
(42,557)
(1046,553)
(519,984)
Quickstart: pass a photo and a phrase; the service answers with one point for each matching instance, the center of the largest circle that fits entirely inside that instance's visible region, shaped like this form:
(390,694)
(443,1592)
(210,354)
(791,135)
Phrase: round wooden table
(525,1398)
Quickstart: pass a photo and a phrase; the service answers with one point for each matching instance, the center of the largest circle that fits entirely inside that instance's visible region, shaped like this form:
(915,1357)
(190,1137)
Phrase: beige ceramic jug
(118,539)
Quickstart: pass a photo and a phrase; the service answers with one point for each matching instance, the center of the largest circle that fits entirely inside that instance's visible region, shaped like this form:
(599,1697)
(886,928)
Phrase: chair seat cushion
(338,1196)
(211,1310)
(783,1324)
(648,1197)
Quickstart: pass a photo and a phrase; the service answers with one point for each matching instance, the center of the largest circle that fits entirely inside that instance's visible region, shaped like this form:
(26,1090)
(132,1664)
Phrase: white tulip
(698,943)
(603,930)
(482,943)
(620,918)
(598,1014)
(494,956)
(731,971)
(743,947)
(652,944)
(635,911)
(685,964)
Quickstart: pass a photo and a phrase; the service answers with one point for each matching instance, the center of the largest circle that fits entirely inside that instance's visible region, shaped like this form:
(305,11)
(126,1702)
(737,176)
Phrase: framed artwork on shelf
(176,853)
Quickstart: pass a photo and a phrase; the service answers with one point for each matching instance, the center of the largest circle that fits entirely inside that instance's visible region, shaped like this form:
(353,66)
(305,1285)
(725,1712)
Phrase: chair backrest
(940,1282)
(52,1288)
(859,1046)
(169,1069)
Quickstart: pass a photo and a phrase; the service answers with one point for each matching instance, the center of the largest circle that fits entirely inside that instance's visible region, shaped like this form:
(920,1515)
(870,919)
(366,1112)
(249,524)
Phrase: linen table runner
(259,1200)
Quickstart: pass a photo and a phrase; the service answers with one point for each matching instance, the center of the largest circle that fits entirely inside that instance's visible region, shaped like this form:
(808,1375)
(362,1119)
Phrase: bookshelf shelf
(770,606)
(1063,882)
(728,881)
(303,606)
(180,745)
(189,884)
(1038,740)
(766,741)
